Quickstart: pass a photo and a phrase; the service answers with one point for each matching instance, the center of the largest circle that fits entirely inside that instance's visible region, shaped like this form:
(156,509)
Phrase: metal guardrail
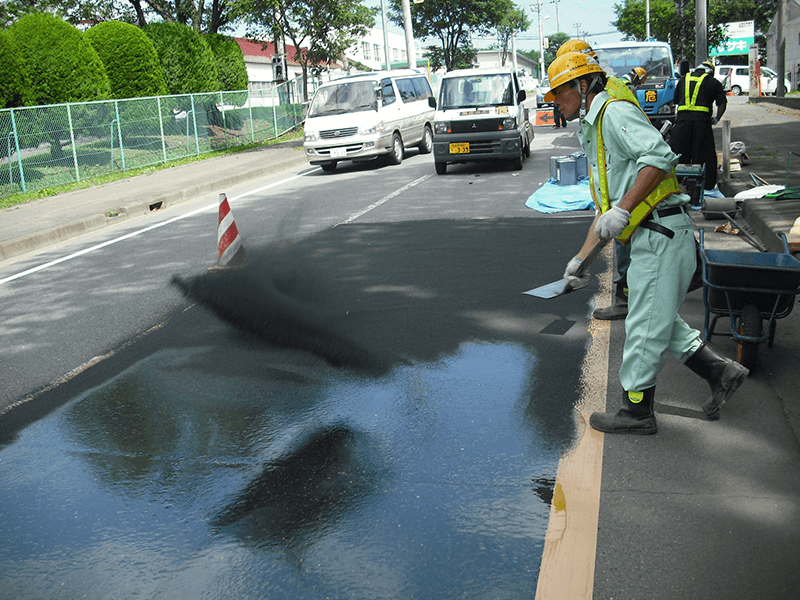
(46,146)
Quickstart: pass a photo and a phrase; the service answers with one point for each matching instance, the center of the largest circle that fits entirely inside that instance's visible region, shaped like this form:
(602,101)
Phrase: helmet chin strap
(595,79)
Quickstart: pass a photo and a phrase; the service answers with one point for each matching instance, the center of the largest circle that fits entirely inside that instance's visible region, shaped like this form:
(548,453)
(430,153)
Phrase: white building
(791,29)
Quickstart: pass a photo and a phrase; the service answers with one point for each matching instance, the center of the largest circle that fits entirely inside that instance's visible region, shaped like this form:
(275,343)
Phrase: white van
(364,116)
(736,79)
(480,116)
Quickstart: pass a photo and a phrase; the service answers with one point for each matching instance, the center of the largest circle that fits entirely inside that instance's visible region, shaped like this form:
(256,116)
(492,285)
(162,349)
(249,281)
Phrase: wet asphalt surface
(395,432)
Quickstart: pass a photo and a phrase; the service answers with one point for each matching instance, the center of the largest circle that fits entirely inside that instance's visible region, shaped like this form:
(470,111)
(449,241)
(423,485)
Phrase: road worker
(619,305)
(692,137)
(632,179)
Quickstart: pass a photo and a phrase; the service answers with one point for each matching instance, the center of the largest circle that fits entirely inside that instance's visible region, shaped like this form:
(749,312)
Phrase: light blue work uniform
(661,268)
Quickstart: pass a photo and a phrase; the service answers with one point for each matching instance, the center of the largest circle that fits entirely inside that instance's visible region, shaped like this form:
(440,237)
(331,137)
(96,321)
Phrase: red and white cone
(231,250)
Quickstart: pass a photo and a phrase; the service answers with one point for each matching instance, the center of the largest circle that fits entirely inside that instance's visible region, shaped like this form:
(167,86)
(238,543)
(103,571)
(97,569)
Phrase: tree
(11,75)
(515,21)
(59,64)
(130,59)
(320,30)
(187,61)
(673,21)
(231,70)
(204,16)
(453,22)
(554,42)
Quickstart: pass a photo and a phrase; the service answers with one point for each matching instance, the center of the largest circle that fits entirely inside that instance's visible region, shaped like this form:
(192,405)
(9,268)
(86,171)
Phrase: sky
(575,16)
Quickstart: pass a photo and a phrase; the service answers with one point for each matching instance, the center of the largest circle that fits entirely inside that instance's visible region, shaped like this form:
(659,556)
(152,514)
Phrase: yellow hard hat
(576,46)
(638,75)
(567,67)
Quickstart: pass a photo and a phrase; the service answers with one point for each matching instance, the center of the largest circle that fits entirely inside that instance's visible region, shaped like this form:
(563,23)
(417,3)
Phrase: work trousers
(659,275)
(693,141)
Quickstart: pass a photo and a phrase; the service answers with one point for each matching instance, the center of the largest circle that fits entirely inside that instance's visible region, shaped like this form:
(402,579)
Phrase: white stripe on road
(214,206)
(361,213)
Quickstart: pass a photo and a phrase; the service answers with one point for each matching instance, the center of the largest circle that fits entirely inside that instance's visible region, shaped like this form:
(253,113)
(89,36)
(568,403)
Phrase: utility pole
(780,46)
(410,54)
(538,9)
(647,20)
(386,37)
(701,31)
(558,20)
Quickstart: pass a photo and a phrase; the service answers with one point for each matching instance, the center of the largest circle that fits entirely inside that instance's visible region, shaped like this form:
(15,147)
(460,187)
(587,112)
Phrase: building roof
(257,51)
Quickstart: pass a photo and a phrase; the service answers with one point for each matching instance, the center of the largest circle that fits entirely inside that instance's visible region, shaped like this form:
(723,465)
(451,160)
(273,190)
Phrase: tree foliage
(204,16)
(11,74)
(515,21)
(325,27)
(674,21)
(186,60)
(130,59)
(59,63)
(453,22)
(231,70)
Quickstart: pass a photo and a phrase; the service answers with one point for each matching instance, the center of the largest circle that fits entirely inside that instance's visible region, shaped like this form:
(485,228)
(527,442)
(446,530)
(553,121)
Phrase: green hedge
(231,70)
(187,62)
(130,59)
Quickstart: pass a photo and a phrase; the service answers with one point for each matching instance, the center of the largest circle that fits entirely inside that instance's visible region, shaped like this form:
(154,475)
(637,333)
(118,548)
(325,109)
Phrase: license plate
(650,96)
(338,152)
(459,148)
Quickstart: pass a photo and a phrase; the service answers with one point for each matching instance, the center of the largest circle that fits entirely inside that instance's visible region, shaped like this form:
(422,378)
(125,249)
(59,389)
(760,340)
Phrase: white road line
(361,213)
(214,206)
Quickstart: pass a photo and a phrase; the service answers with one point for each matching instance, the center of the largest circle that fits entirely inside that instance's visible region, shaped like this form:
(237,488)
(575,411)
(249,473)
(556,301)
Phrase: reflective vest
(666,188)
(691,103)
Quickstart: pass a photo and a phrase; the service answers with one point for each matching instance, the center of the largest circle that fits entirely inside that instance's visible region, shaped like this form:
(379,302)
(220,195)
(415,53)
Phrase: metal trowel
(560,287)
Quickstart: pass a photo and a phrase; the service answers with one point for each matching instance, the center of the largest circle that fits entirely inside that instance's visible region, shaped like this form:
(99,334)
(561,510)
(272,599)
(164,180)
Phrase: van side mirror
(521,95)
(431,101)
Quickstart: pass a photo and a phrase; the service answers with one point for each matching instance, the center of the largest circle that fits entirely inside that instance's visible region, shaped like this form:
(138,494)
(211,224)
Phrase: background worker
(692,137)
(638,198)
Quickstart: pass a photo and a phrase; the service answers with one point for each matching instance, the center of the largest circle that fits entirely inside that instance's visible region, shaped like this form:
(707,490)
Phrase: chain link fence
(46,146)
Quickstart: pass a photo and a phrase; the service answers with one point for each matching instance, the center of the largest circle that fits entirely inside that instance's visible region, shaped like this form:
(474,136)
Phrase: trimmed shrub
(186,60)
(60,65)
(231,70)
(11,75)
(130,59)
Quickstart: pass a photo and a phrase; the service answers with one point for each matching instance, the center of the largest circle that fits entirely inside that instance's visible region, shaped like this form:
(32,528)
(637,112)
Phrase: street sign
(740,35)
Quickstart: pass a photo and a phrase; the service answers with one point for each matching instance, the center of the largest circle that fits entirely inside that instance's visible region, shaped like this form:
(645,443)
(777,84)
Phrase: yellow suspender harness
(643,209)
(691,103)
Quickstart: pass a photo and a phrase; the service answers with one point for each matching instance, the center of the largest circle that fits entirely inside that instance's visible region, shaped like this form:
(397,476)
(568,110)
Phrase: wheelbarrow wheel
(749,326)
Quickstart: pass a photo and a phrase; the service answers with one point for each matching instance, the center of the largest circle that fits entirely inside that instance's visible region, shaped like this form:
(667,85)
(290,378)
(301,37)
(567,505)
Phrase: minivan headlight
(368,129)
(506,124)
(310,136)
(441,127)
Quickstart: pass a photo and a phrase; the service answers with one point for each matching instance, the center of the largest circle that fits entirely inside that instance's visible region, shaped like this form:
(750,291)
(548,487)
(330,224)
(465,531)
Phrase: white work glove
(612,223)
(714,120)
(573,282)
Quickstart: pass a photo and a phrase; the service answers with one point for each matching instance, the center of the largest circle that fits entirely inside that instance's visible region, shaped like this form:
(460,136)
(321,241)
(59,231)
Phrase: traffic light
(278,71)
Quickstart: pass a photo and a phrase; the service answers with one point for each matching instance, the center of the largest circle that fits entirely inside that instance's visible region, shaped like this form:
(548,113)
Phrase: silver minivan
(364,116)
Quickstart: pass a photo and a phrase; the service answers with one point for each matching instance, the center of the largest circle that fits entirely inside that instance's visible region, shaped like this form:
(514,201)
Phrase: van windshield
(656,60)
(471,91)
(344,98)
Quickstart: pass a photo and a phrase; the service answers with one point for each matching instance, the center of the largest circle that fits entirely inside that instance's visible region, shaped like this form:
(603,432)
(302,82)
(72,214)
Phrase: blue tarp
(552,197)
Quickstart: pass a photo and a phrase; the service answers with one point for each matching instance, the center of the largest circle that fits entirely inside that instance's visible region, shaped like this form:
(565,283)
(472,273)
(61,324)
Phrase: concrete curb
(87,224)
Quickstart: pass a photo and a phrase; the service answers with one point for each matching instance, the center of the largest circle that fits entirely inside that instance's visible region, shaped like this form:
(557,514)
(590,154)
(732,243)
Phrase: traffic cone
(231,250)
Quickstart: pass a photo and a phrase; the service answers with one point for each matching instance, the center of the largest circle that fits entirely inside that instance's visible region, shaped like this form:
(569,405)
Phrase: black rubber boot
(722,374)
(618,310)
(635,417)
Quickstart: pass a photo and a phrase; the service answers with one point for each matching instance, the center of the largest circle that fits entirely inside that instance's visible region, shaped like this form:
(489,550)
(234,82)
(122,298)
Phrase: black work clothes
(692,137)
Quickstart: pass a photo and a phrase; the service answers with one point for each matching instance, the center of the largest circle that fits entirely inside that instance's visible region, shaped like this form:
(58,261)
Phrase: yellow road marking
(567,569)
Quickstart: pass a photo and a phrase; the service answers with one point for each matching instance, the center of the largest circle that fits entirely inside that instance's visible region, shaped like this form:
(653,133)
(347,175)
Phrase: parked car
(736,79)
(544,87)
(362,117)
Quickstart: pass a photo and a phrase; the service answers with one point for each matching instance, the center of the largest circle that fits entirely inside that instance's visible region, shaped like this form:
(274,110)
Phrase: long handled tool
(557,288)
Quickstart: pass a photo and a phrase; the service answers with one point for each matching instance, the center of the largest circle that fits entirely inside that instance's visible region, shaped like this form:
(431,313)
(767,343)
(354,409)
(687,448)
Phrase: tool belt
(648,222)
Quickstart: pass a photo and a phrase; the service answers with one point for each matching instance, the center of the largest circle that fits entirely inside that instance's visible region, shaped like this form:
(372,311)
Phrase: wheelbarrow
(753,289)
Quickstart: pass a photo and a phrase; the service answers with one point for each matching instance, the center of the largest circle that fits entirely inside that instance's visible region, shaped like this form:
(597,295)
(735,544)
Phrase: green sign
(740,35)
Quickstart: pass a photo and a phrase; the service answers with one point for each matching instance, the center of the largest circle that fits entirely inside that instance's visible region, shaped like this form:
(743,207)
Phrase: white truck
(480,116)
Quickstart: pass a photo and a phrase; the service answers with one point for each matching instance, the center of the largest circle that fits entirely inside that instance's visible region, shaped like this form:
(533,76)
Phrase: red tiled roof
(267,50)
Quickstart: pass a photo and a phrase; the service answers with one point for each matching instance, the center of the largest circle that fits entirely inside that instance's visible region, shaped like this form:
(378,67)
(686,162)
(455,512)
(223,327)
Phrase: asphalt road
(160,451)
